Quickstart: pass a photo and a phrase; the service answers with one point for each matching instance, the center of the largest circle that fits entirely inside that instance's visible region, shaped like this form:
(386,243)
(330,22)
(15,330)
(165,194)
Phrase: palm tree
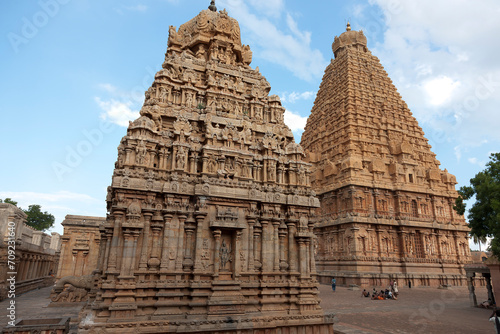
(478,240)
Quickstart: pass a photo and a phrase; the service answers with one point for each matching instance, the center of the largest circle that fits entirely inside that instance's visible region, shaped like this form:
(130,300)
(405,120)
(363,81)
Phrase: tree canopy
(37,219)
(484,215)
(9,201)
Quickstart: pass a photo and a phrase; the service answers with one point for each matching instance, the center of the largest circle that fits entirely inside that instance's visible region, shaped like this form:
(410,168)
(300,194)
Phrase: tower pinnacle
(348,26)
(212,6)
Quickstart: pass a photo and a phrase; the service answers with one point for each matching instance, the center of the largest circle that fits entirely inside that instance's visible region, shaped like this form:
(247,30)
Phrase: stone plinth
(41,326)
(386,206)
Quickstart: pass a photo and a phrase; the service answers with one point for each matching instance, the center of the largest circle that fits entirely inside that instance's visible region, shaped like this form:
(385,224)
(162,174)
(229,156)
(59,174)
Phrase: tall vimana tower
(386,206)
(210,207)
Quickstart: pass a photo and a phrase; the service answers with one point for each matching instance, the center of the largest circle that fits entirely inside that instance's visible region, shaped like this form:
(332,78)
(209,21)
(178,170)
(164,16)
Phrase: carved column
(282,235)
(180,242)
(112,264)
(276,251)
(200,218)
(189,227)
(251,222)
(302,257)
(156,227)
(128,251)
(109,236)
(143,263)
(312,260)
(217,236)
(292,247)
(237,260)
(472,293)
(165,246)
(257,232)
(267,265)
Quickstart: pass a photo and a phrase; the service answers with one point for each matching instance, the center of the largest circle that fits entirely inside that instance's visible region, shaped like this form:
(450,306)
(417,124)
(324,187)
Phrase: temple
(210,207)
(386,206)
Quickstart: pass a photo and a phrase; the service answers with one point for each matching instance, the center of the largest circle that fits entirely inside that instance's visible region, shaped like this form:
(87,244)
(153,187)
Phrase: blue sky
(73,72)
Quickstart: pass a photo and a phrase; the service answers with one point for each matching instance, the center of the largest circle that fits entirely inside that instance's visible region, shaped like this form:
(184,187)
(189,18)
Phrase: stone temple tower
(209,226)
(386,206)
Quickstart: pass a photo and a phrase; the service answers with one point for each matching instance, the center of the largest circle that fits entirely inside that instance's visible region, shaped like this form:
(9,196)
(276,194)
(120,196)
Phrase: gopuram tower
(386,206)
(209,226)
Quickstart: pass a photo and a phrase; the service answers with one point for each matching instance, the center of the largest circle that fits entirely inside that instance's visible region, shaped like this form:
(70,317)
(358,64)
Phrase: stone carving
(207,201)
(377,178)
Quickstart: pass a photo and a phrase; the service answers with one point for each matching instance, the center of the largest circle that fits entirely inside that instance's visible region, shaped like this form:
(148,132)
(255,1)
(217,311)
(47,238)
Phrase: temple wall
(33,254)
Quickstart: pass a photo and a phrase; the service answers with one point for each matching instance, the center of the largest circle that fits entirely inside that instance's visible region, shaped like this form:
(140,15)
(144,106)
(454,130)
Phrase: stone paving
(34,305)
(418,310)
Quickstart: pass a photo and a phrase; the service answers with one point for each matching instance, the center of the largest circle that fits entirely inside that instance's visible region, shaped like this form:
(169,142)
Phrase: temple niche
(210,207)
(386,206)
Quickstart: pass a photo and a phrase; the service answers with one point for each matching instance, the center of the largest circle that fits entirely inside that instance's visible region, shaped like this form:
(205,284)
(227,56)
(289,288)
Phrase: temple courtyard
(418,310)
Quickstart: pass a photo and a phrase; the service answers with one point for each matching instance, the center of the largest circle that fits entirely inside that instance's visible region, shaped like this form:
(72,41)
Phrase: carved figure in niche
(180,159)
(189,100)
(200,54)
(246,54)
(271,172)
(225,254)
(240,86)
(173,37)
(229,167)
(302,175)
(212,164)
(141,153)
(245,171)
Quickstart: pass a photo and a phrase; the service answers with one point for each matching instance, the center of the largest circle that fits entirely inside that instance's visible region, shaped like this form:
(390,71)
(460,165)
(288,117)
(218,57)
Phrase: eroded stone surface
(386,206)
(209,225)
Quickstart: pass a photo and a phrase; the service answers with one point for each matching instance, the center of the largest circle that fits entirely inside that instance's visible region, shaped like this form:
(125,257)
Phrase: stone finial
(212,6)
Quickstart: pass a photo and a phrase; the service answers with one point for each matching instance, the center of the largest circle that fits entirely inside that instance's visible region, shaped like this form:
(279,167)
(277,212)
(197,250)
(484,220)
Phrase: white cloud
(440,89)
(443,58)
(291,48)
(294,96)
(272,8)
(295,122)
(117,112)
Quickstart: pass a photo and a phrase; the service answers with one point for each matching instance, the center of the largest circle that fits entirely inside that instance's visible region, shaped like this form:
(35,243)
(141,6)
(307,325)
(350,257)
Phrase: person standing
(334,284)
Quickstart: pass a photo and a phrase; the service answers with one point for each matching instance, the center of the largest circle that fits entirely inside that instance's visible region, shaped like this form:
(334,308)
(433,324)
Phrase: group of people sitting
(390,293)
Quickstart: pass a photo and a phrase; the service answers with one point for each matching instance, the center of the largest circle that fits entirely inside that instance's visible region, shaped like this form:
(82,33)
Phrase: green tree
(9,200)
(484,215)
(37,219)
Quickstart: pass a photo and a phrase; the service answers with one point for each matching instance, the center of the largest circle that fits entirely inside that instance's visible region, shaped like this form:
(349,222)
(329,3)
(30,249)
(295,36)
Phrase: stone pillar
(487,277)
(251,222)
(217,236)
(107,249)
(200,218)
(143,263)
(112,263)
(189,228)
(156,227)
(237,260)
(292,247)
(302,257)
(276,251)
(282,236)
(257,232)
(267,264)
(470,285)
(165,246)
(180,242)
(128,251)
